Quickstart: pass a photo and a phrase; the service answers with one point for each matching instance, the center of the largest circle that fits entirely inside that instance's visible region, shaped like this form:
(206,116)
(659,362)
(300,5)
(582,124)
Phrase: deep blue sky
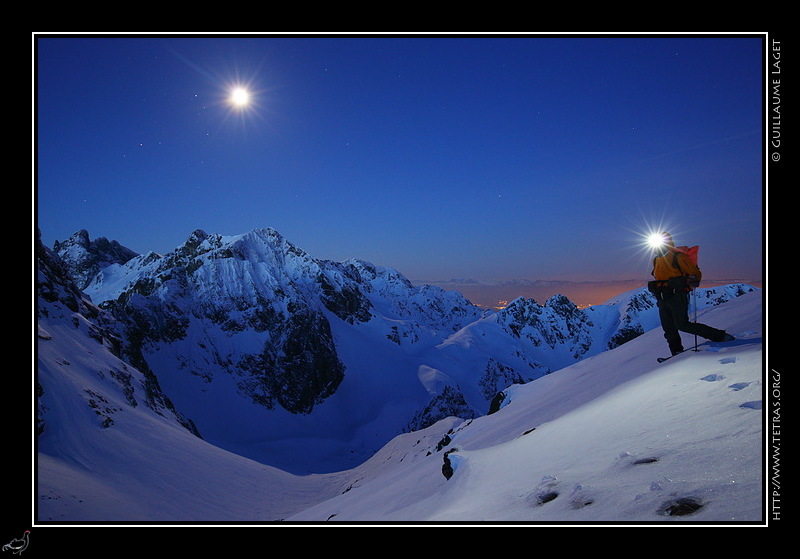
(483,158)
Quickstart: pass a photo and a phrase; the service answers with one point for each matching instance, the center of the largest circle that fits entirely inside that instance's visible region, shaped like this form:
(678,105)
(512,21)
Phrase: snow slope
(696,420)
(615,437)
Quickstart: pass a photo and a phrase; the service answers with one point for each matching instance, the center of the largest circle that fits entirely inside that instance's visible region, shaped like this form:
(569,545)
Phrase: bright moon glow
(240,97)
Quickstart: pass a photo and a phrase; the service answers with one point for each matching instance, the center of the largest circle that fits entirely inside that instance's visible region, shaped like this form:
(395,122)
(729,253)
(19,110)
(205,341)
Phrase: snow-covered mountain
(615,437)
(60,305)
(148,410)
(266,348)
(85,257)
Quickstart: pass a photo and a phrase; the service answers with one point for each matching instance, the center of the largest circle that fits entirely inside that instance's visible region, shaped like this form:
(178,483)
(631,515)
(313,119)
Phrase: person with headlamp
(675,276)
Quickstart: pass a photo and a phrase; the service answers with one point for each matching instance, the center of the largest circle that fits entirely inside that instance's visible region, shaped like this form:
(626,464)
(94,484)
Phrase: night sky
(483,158)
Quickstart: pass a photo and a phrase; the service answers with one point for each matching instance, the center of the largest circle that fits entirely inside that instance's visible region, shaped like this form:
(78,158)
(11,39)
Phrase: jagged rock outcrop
(298,368)
(254,284)
(60,304)
(85,258)
(631,325)
(497,377)
(558,325)
(449,402)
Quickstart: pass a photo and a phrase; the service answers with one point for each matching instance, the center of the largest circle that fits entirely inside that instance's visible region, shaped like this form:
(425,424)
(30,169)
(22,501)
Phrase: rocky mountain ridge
(85,257)
(60,304)
(253,338)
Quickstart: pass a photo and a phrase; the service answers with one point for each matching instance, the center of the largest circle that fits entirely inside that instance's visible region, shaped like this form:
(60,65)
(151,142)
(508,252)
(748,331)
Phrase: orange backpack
(691,252)
(695,275)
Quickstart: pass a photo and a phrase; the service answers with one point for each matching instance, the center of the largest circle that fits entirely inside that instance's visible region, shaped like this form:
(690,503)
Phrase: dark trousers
(673,309)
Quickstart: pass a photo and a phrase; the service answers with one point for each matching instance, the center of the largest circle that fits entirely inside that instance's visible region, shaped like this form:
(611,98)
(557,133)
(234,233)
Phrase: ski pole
(694,302)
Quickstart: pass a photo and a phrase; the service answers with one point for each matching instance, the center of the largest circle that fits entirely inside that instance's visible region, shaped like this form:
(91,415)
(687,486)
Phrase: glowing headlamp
(656,240)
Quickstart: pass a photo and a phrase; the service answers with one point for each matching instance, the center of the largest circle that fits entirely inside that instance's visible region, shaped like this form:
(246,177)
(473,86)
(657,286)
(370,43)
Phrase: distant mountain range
(261,349)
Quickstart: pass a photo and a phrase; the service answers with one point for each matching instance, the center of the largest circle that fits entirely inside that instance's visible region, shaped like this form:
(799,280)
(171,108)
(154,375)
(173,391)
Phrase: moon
(240,97)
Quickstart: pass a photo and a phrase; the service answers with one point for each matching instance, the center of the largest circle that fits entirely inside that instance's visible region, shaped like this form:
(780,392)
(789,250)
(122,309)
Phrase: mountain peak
(85,258)
(197,236)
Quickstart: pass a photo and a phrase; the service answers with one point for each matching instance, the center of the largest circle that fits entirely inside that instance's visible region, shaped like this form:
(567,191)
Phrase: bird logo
(17,545)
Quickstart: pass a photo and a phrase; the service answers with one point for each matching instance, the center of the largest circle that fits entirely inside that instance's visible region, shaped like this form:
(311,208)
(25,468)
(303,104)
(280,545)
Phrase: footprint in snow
(626,460)
(581,497)
(544,492)
(681,506)
(675,505)
(753,405)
